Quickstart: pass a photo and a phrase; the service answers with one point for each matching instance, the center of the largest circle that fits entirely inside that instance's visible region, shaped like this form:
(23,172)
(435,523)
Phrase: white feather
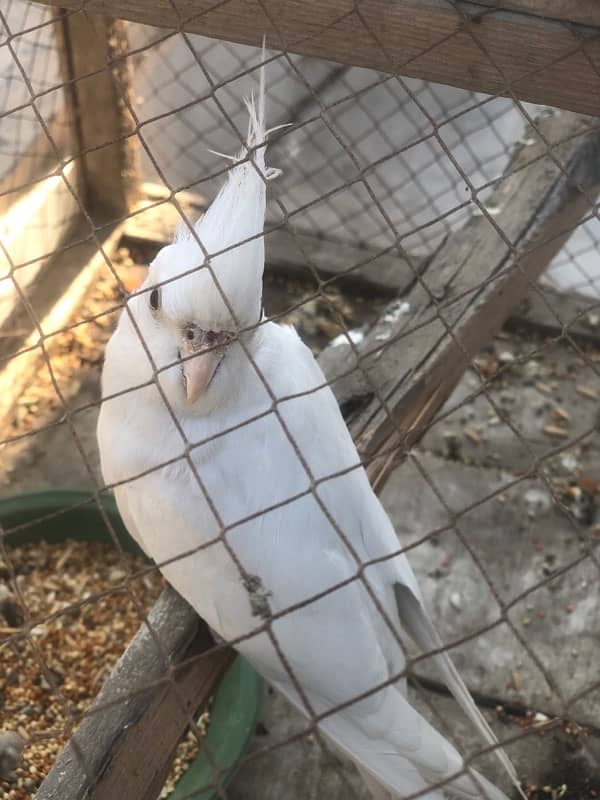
(340,645)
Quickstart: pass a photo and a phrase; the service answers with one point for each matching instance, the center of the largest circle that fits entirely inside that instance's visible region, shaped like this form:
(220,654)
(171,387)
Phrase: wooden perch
(477,279)
(285,252)
(99,85)
(474,283)
(553,61)
(128,739)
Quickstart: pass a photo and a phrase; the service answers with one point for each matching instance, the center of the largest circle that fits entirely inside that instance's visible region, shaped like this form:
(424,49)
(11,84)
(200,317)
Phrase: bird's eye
(189,334)
(154,299)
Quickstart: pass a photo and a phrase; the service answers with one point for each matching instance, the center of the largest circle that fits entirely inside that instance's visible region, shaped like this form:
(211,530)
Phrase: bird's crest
(230,231)
(258,133)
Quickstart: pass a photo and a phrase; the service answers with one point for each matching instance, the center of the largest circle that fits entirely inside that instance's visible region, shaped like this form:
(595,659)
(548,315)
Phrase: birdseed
(49,678)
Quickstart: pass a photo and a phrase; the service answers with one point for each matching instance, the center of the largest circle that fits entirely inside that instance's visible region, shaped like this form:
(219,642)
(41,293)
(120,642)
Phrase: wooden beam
(139,713)
(99,89)
(287,251)
(474,284)
(462,44)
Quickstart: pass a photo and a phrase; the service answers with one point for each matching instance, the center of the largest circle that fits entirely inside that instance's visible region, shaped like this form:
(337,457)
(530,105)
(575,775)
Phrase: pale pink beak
(198,373)
(207,349)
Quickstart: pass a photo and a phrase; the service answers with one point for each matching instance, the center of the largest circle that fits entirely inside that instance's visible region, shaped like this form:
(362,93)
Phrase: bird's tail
(399,754)
(416,622)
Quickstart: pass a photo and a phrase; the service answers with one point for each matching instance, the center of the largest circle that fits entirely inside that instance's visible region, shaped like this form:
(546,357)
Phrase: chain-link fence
(376,118)
(436,248)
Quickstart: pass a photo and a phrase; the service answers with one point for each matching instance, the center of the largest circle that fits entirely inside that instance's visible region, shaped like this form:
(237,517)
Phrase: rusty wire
(324,106)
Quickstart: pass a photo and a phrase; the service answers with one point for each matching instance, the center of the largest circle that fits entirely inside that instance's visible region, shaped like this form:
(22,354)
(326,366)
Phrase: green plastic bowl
(54,516)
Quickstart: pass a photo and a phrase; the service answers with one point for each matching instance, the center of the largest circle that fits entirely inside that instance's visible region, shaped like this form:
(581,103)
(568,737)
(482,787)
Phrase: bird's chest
(245,472)
(180,532)
(218,511)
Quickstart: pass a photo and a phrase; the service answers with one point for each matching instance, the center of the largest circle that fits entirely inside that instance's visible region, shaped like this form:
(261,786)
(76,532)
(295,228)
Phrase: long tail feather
(416,621)
(397,764)
(390,767)
(257,131)
(257,135)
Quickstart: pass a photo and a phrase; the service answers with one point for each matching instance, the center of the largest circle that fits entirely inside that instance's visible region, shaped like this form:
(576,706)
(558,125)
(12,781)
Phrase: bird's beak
(203,351)
(198,372)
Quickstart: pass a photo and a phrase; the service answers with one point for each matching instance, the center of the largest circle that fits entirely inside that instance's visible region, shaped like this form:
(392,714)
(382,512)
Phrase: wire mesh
(493,494)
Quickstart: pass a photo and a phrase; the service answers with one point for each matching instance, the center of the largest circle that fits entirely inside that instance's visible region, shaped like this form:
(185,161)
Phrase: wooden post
(99,87)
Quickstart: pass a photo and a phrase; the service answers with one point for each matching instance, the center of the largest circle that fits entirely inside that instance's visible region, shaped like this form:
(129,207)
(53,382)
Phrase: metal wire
(388,165)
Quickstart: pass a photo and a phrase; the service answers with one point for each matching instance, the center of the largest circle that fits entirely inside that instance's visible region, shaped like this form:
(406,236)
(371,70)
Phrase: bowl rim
(236,704)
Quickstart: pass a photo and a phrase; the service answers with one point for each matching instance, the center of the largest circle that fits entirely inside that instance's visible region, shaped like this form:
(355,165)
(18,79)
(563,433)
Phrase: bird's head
(203,294)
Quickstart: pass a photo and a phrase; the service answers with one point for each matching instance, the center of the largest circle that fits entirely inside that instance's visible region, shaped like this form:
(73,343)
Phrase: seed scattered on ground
(587,391)
(48,679)
(554,430)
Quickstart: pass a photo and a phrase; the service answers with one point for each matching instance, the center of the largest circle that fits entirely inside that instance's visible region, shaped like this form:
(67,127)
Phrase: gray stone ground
(497,537)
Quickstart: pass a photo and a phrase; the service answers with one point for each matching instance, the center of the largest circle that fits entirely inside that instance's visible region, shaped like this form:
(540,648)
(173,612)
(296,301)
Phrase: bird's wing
(397,747)
(417,622)
(121,497)
(366,525)
(431,760)
(336,648)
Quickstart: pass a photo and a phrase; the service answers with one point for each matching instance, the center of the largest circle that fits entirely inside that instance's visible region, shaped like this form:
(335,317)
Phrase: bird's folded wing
(416,622)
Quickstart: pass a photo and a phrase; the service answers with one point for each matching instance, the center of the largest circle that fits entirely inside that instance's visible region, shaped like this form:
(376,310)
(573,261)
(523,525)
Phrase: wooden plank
(466,45)
(472,286)
(287,251)
(138,701)
(99,82)
(291,252)
(558,314)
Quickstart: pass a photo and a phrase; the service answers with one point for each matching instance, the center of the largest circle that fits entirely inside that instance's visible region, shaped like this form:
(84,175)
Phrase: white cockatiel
(226,447)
